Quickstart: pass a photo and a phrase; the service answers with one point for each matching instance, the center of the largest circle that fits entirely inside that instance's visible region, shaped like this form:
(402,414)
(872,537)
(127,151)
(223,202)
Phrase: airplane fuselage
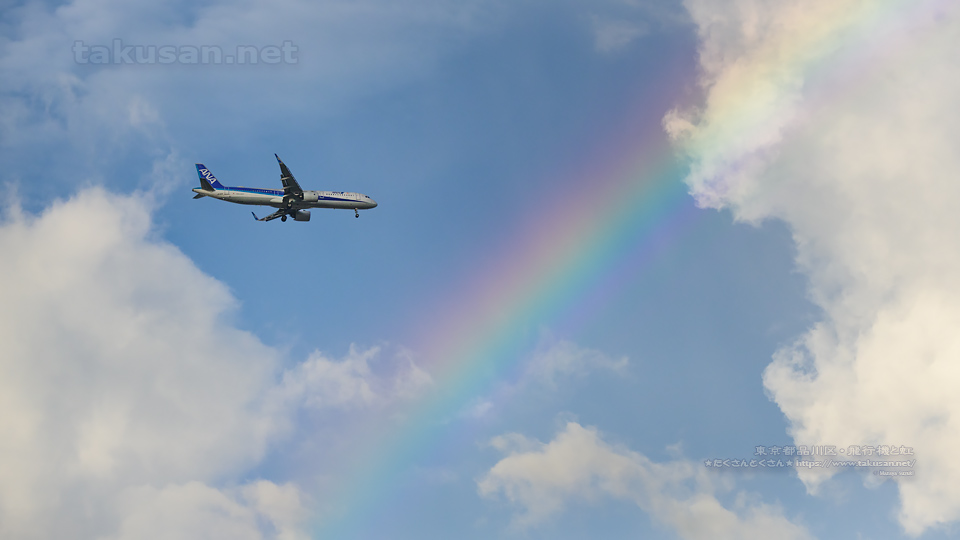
(275,198)
(291,201)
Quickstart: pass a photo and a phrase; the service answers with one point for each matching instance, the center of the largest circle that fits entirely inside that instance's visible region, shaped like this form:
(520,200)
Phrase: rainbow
(575,252)
(580,249)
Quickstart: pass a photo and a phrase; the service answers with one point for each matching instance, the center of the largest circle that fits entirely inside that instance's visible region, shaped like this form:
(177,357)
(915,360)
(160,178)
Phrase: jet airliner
(290,201)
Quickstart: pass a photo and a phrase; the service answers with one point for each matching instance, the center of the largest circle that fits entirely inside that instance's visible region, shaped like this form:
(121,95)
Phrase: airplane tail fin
(208,181)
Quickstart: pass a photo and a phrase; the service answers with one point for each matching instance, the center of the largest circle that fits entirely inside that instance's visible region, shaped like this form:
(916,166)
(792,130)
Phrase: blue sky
(184,371)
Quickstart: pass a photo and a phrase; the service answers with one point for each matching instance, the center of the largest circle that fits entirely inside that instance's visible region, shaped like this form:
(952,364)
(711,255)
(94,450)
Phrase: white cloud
(578,465)
(557,357)
(613,34)
(618,23)
(839,119)
(320,382)
(551,365)
(195,510)
(129,406)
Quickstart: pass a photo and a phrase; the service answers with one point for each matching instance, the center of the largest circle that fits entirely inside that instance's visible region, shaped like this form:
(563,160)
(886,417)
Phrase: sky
(629,257)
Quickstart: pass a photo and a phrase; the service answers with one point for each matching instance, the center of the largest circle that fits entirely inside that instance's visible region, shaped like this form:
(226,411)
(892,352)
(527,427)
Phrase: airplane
(291,200)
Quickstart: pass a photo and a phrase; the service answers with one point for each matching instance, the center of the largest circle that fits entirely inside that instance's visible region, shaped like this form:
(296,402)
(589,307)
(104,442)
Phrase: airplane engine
(302,215)
(310,196)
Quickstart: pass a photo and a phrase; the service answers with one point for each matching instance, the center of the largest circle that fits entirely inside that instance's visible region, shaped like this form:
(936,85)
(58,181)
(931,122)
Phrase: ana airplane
(291,200)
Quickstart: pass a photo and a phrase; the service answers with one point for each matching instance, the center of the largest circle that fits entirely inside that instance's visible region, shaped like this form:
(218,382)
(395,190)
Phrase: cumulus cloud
(618,23)
(195,510)
(614,34)
(129,405)
(556,358)
(321,382)
(553,363)
(839,118)
(577,465)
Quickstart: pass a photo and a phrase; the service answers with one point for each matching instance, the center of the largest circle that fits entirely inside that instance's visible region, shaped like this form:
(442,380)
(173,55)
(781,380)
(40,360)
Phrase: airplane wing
(279,213)
(290,185)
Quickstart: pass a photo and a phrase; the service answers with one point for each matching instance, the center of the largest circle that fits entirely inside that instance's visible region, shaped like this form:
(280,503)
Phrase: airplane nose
(373,203)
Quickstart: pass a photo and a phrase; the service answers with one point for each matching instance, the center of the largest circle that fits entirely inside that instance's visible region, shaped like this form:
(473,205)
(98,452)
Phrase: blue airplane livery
(290,201)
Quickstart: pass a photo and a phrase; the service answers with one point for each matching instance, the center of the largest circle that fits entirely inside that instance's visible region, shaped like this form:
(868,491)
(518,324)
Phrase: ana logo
(207,174)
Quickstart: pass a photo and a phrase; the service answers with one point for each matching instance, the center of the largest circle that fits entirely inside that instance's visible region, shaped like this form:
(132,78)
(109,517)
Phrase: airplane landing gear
(356,213)
(283,218)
